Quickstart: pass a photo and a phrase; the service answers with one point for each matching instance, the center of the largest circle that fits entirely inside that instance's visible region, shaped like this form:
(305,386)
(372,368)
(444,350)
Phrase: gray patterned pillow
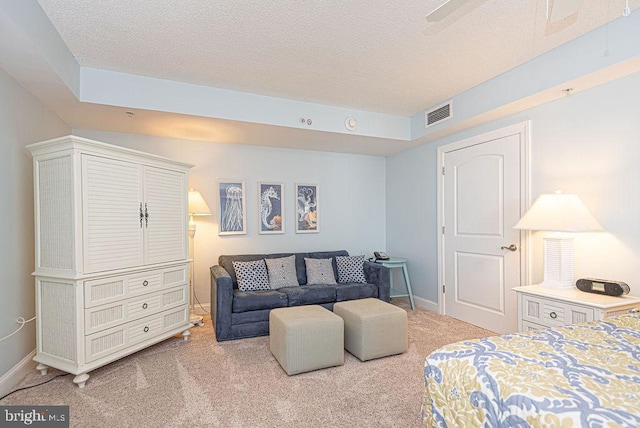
(319,271)
(252,276)
(282,272)
(350,269)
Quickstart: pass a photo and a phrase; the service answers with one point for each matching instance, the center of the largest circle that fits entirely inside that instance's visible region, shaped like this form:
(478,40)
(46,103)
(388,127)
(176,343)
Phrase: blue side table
(399,263)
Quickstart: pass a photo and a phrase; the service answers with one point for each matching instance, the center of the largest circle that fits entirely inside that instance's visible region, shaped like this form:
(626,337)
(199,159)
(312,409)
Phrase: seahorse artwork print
(307,200)
(232,207)
(271,204)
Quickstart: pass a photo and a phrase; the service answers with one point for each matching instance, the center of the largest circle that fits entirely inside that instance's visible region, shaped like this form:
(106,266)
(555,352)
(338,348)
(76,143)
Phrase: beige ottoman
(306,338)
(373,328)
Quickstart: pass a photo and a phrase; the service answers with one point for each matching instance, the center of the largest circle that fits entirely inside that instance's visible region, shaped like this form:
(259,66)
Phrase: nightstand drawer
(553,313)
(529,326)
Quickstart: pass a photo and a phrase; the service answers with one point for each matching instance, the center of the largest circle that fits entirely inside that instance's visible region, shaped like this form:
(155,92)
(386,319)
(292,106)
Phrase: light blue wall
(352,196)
(586,143)
(23,120)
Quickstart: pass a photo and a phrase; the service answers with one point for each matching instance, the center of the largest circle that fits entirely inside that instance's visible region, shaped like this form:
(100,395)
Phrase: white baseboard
(9,380)
(429,305)
(203,309)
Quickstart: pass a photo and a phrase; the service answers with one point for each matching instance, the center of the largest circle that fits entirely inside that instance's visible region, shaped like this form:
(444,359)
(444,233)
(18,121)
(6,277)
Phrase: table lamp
(564,214)
(197,207)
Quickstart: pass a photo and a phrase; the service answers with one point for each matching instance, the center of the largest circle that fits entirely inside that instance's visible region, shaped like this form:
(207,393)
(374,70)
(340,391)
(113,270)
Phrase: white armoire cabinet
(112,265)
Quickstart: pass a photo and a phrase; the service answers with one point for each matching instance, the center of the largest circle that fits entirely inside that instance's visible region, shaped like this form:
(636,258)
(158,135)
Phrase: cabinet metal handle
(145,283)
(553,315)
(512,247)
(146,329)
(141,215)
(146,215)
(145,306)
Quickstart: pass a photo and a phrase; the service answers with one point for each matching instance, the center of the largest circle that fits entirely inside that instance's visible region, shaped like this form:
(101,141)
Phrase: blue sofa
(237,314)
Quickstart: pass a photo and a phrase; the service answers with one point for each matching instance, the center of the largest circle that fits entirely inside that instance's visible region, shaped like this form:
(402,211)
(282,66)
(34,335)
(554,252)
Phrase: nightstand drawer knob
(553,315)
(145,306)
(145,283)
(146,329)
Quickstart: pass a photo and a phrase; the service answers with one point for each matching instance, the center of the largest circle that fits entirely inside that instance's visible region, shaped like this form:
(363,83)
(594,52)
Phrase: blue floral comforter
(583,375)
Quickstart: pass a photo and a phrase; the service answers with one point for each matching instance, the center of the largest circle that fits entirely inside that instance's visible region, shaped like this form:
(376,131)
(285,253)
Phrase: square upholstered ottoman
(306,338)
(373,328)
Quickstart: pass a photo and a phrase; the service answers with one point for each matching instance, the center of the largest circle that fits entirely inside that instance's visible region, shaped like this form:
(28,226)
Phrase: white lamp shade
(197,204)
(558,212)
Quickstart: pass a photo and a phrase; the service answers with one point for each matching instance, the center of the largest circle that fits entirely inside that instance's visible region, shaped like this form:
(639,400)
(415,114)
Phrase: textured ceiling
(373,55)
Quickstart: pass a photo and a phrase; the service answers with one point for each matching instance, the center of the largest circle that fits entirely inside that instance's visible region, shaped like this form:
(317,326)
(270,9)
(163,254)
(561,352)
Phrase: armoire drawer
(120,338)
(111,289)
(112,314)
(551,313)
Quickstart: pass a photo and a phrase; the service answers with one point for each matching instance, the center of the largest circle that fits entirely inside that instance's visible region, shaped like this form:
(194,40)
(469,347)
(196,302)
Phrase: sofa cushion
(227,263)
(320,271)
(251,275)
(355,291)
(282,272)
(350,269)
(327,255)
(244,301)
(310,294)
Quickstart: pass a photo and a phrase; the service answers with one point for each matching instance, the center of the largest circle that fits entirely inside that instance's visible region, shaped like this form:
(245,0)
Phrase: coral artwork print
(307,208)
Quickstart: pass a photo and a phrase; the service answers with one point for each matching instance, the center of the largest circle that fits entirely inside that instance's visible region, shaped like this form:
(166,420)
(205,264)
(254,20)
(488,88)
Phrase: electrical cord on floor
(33,386)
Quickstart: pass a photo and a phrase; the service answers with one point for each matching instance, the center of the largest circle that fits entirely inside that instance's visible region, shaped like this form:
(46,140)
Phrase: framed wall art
(231,208)
(271,204)
(307,219)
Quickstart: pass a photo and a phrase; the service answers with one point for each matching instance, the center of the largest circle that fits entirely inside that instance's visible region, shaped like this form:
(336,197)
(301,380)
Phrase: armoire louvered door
(112,206)
(134,214)
(164,211)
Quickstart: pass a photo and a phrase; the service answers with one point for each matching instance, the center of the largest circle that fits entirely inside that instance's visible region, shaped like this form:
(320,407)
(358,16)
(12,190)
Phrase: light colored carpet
(202,383)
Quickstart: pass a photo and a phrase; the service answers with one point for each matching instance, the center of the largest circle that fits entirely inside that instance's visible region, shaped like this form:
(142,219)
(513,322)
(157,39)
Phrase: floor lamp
(197,207)
(564,214)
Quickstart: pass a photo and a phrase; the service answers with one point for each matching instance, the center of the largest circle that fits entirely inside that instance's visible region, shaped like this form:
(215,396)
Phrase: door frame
(523,129)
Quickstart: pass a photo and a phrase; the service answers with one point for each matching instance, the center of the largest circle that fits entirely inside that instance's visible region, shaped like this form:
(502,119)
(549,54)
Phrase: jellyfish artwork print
(232,208)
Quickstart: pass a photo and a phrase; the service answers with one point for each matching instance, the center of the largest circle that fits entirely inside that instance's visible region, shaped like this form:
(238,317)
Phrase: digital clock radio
(602,286)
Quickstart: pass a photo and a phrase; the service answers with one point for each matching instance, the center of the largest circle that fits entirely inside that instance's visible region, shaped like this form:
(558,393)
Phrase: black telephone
(380,255)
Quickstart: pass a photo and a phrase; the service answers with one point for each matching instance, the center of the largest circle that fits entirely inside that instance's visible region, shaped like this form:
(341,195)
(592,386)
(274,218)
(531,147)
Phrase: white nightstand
(540,307)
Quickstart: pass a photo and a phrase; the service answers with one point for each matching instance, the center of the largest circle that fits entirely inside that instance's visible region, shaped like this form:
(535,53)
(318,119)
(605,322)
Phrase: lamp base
(558,262)
(196,320)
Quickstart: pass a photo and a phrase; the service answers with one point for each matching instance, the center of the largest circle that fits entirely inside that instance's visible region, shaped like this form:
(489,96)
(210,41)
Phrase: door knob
(511,247)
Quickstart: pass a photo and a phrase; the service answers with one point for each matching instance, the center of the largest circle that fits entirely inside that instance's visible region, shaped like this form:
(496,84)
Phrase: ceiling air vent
(437,115)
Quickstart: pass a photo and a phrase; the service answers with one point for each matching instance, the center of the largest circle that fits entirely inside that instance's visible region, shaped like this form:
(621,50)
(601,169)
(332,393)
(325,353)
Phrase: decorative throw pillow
(319,271)
(350,269)
(282,272)
(252,276)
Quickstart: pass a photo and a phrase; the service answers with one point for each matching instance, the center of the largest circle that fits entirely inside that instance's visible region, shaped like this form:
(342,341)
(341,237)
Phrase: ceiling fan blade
(560,9)
(444,10)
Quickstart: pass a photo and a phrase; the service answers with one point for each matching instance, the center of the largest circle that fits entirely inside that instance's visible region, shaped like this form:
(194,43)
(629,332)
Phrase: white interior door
(482,201)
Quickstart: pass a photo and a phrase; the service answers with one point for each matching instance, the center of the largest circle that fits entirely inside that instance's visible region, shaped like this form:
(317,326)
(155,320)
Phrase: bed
(573,376)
